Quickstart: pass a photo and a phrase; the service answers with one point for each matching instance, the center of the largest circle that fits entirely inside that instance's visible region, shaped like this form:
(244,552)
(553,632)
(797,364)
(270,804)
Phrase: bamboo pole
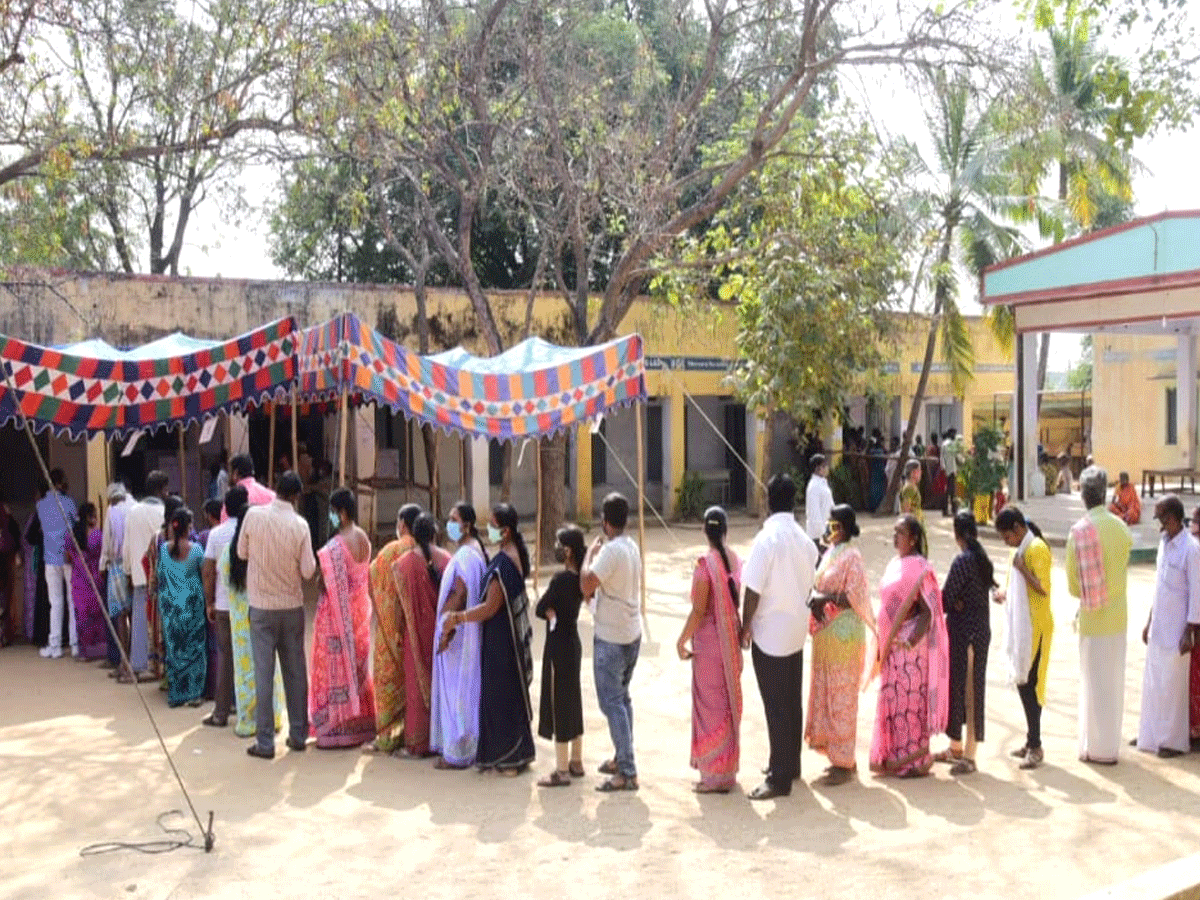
(343,434)
(641,486)
(537,558)
(183,464)
(271,445)
(295,429)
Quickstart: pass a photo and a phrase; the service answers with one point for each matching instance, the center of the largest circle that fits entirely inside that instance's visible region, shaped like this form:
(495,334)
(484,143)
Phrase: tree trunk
(940,293)
(553,499)
(757,495)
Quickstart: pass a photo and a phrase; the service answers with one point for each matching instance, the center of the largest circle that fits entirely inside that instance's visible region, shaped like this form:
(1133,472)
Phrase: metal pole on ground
(183,463)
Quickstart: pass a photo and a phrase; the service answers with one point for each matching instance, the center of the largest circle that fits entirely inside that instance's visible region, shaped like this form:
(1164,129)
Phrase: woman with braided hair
(418,576)
(341,698)
(713,629)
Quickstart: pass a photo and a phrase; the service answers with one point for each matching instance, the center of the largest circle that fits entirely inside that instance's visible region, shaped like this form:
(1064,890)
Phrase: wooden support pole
(183,463)
(343,434)
(270,407)
(295,430)
(641,496)
(537,557)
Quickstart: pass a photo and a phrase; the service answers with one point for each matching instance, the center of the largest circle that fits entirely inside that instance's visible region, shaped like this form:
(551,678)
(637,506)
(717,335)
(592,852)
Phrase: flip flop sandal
(608,767)
(555,779)
(963,767)
(947,756)
(576,769)
(701,788)
(612,785)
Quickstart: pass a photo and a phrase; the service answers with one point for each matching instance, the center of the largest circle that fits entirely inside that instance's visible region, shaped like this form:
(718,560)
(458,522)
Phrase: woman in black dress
(560,716)
(965,601)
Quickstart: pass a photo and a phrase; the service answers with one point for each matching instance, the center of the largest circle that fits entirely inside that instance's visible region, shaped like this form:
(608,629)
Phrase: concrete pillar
(1025,421)
(478,488)
(583,472)
(1185,400)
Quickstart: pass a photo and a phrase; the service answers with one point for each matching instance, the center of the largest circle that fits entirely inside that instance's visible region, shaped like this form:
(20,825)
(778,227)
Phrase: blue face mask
(493,533)
(335,521)
(454,530)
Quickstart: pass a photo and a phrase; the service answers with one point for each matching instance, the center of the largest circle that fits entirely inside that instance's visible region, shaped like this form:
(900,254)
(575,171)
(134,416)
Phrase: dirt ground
(79,765)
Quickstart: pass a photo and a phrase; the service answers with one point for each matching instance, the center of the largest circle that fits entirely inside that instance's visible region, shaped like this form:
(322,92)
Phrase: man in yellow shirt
(1097,564)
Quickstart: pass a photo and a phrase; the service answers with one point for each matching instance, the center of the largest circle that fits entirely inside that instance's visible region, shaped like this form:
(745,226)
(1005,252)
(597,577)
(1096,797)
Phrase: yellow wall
(1131,376)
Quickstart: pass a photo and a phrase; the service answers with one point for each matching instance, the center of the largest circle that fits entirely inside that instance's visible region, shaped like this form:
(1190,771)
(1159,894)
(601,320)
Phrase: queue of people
(425,652)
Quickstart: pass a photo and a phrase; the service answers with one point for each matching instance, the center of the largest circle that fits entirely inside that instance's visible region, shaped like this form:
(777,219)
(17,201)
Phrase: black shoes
(259,753)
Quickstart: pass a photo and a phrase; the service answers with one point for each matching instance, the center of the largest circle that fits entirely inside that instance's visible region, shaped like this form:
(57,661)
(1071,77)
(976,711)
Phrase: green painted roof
(1141,252)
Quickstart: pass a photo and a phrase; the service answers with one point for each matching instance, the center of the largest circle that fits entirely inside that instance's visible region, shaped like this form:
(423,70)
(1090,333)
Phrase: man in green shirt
(1097,563)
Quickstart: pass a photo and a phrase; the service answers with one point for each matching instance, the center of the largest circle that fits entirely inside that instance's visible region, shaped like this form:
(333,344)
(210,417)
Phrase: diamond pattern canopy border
(534,389)
(91,388)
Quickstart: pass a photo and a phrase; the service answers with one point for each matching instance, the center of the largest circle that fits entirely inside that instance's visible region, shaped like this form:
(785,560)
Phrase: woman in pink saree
(341,699)
(716,655)
(913,659)
(841,615)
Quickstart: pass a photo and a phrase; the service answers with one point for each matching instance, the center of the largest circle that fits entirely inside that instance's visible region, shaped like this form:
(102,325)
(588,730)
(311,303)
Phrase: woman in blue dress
(181,609)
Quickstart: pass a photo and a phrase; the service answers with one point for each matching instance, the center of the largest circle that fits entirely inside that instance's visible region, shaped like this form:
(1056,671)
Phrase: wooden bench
(1187,476)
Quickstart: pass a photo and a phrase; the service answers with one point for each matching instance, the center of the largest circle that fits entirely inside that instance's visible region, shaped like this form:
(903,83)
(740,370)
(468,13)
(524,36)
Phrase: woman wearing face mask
(387,662)
(560,717)
(841,614)
(418,575)
(505,740)
(914,658)
(341,698)
(454,714)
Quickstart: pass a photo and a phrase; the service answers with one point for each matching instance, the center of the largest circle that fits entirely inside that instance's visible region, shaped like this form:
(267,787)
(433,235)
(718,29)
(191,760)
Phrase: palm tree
(967,189)
(1068,142)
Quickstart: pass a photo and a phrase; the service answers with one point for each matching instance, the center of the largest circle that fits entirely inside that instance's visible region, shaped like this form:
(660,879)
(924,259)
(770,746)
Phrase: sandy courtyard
(79,765)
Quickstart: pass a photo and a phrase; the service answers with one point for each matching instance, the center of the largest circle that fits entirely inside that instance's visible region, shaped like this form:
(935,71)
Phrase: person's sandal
(555,779)
(701,788)
(947,756)
(963,767)
(576,769)
(608,767)
(617,783)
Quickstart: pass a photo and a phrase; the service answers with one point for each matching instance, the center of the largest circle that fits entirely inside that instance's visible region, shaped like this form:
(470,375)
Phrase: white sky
(1167,180)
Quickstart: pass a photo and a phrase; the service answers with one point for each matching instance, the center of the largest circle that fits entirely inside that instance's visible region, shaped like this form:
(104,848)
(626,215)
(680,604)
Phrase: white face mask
(493,533)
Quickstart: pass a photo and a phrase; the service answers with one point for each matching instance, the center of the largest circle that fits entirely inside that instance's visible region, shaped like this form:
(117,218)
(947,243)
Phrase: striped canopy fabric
(534,389)
(92,388)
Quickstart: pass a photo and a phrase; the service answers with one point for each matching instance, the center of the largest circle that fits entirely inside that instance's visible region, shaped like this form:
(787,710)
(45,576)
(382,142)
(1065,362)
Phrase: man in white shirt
(611,578)
(277,547)
(777,578)
(142,523)
(818,498)
(1169,636)
(949,461)
(216,606)
(112,562)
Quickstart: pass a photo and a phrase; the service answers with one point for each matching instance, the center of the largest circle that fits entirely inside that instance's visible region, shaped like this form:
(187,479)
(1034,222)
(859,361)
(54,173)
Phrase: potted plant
(981,471)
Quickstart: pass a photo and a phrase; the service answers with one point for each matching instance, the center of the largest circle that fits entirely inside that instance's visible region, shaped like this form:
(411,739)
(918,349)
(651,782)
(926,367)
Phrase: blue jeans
(613,666)
(139,633)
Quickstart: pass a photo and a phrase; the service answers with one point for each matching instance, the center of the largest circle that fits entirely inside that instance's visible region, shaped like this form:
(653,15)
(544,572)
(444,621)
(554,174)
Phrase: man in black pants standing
(778,578)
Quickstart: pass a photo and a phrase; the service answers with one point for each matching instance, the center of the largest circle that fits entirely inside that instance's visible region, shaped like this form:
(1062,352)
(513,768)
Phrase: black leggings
(1033,709)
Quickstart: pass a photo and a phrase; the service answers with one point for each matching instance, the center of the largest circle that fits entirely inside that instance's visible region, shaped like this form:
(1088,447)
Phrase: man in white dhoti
(1169,636)
(1097,564)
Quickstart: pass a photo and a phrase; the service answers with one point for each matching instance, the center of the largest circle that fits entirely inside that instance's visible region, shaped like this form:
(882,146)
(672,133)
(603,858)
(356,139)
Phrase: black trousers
(781,683)
(951,504)
(1033,709)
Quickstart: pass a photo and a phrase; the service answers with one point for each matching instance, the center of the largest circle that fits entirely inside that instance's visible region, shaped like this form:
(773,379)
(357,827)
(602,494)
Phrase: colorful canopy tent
(534,389)
(93,388)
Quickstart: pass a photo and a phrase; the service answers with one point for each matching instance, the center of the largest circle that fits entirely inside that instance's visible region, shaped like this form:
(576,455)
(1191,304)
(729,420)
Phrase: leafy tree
(1079,376)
